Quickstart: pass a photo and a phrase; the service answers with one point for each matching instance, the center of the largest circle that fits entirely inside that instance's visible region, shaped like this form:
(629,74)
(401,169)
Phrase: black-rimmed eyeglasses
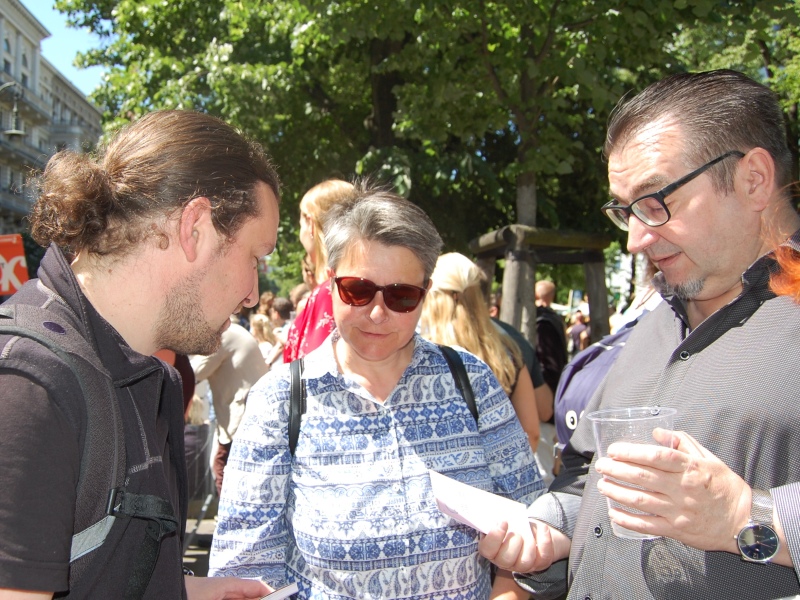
(651,209)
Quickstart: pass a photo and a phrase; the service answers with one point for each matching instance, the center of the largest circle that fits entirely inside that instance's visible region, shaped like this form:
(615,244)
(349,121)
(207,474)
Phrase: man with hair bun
(152,244)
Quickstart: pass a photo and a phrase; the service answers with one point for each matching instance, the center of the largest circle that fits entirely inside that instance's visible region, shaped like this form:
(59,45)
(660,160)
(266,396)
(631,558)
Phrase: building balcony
(32,108)
(18,204)
(78,138)
(68,130)
(19,151)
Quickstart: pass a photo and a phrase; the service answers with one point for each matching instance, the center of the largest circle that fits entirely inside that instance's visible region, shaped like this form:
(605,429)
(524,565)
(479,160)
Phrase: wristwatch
(758,542)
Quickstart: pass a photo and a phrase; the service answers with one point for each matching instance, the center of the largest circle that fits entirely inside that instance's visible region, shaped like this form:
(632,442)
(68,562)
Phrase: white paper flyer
(479,509)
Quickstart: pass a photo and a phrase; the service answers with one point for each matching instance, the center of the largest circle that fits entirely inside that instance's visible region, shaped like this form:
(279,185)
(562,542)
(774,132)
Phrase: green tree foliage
(483,112)
(759,38)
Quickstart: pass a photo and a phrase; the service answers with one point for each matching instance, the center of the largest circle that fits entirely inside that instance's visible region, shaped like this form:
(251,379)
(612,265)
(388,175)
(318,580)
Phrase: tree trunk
(384,103)
(518,307)
(519,277)
(526,198)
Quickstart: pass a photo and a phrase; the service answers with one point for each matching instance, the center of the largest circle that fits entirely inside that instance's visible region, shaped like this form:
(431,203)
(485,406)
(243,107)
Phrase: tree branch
(504,97)
(551,33)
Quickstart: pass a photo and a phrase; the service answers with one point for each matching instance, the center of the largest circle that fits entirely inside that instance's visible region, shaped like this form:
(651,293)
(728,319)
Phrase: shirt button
(684,355)
(598,531)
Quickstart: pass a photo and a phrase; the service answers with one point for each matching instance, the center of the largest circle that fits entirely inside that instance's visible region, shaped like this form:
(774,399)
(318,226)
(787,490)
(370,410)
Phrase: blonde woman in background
(315,322)
(265,303)
(455,313)
(261,328)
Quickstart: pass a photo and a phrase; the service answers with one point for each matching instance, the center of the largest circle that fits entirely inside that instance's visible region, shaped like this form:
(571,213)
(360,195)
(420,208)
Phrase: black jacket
(42,435)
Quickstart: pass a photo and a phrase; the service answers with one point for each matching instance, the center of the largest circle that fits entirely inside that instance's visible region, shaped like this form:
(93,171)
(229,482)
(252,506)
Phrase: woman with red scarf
(315,322)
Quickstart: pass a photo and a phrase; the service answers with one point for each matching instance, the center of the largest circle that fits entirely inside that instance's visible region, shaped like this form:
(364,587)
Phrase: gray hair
(375,214)
(717,111)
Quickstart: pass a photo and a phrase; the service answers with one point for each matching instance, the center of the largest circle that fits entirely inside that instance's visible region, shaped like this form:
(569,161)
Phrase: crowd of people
(388,362)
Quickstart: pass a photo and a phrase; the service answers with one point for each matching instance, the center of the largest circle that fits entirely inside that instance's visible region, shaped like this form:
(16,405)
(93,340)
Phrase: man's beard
(688,290)
(181,326)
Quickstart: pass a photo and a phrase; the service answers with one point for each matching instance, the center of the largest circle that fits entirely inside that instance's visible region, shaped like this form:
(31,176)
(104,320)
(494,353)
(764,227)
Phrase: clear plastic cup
(633,425)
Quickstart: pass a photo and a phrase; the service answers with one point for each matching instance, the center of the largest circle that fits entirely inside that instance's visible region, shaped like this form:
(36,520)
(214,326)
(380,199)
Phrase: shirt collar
(322,360)
(125,365)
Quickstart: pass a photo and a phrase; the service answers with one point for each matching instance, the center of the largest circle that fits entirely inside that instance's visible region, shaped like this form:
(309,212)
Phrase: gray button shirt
(735,381)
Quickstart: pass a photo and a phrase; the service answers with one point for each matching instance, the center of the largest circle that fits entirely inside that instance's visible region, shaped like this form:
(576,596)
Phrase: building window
(24,80)
(7,66)
(6,45)
(24,60)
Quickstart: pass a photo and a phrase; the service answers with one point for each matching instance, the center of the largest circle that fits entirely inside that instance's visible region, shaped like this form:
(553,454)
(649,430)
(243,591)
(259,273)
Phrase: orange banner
(13,267)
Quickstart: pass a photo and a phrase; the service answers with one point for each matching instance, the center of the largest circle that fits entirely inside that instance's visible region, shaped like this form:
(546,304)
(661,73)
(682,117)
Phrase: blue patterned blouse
(353,515)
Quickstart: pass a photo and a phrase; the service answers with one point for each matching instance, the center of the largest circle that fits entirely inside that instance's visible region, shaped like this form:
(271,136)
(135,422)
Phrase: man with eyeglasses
(700,177)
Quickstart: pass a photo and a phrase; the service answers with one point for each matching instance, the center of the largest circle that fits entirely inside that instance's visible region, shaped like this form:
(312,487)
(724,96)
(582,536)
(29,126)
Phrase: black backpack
(101,495)
(297,401)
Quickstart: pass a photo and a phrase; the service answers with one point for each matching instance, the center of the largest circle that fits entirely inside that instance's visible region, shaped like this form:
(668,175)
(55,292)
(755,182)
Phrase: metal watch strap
(761,509)
(758,542)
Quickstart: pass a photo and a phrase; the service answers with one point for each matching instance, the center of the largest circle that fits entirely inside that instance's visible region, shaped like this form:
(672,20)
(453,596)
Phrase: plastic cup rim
(618,414)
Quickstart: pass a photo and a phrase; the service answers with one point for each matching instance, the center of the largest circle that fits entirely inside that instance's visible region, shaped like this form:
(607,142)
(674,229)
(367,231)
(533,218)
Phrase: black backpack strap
(103,460)
(162,521)
(297,402)
(103,457)
(459,372)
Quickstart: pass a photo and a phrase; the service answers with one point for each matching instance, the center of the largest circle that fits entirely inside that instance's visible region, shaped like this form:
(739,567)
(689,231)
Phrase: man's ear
(195,227)
(756,175)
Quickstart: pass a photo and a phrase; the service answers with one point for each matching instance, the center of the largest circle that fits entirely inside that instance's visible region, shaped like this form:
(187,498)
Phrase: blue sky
(64,43)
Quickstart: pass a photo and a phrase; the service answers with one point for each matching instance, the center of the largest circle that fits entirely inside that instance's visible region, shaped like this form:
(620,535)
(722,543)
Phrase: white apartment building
(41,112)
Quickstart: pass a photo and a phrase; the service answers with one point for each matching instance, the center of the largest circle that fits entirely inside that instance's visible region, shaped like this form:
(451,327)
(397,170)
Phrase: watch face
(758,543)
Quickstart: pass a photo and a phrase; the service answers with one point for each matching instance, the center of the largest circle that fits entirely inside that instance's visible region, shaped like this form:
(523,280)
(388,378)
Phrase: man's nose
(252,296)
(640,236)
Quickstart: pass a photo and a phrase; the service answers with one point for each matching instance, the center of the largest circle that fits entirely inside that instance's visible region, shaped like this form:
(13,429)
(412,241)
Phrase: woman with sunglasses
(314,321)
(352,513)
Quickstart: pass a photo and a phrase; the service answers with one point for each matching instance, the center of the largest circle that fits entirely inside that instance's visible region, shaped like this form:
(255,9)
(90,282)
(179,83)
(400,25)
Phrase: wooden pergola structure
(524,247)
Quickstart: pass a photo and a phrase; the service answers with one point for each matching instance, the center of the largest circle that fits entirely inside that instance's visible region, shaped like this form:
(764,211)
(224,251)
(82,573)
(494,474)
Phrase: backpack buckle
(112,506)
